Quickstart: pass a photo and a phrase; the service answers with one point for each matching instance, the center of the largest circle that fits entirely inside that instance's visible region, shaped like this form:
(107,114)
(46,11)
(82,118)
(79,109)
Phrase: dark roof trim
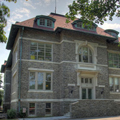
(15,28)
(9,61)
(111,30)
(43,16)
(57,14)
(13,33)
(59,29)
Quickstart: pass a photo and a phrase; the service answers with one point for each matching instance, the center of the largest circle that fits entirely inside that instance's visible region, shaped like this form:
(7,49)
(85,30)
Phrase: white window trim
(51,109)
(44,84)
(28,109)
(114,92)
(44,54)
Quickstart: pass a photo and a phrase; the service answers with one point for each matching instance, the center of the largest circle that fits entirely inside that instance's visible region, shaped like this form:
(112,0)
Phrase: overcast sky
(23,10)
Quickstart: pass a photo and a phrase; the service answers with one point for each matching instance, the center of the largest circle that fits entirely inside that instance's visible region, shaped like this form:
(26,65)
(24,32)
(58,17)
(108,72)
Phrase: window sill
(45,91)
(114,92)
(114,68)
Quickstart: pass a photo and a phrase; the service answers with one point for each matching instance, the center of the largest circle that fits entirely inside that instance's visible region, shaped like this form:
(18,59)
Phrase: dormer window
(45,21)
(79,24)
(112,32)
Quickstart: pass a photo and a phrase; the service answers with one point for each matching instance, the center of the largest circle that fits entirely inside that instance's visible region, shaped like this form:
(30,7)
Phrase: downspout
(19,76)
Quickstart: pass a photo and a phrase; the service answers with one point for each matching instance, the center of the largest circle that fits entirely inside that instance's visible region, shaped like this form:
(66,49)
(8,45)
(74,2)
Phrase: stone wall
(94,108)
(7,89)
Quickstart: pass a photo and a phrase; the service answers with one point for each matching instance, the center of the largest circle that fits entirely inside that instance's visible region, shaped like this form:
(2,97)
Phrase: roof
(61,22)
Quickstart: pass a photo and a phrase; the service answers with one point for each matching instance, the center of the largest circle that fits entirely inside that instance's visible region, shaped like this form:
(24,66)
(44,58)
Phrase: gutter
(19,76)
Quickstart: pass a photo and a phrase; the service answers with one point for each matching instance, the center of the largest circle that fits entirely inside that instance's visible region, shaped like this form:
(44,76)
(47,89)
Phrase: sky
(23,10)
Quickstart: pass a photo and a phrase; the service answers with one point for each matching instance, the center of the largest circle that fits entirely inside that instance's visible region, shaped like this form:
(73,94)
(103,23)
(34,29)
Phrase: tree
(94,10)
(4,12)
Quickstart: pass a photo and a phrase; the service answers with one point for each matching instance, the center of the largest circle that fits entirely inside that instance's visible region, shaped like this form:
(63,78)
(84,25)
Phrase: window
(88,27)
(49,23)
(40,81)
(79,24)
(31,108)
(41,51)
(85,55)
(114,60)
(114,84)
(45,22)
(48,108)
(87,86)
(42,21)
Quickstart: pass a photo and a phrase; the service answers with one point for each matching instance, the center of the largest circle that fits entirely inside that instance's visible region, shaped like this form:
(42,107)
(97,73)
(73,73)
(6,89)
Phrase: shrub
(11,113)
(21,114)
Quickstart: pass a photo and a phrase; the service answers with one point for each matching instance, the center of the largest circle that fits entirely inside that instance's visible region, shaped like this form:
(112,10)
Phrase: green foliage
(21,114)
(4,13)
(11,114)
(93,10)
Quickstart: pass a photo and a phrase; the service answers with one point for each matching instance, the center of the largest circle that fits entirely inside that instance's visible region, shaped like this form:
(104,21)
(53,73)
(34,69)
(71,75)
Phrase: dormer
(45,21)
(79,24)
(112,32)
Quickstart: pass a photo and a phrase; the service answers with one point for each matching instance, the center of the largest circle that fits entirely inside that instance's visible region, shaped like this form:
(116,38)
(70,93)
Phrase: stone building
(54,65)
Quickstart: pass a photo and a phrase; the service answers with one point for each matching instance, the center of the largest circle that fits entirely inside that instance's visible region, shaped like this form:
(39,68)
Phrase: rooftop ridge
(57,14)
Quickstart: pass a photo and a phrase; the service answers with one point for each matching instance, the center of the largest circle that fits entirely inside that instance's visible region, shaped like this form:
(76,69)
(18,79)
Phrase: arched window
(85,55)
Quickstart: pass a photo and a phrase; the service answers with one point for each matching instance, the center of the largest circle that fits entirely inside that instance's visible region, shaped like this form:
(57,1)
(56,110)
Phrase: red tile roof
(61,22)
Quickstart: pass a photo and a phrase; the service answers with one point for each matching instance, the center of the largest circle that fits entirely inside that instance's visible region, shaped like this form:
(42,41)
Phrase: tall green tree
(4,14)
(94,10)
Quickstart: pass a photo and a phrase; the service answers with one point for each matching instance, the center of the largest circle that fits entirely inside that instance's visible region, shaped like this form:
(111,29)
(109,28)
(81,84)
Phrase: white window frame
(29,107)
(44,82)
(87,55)
(44,51)
(114,84)
(113,59)
(50,108)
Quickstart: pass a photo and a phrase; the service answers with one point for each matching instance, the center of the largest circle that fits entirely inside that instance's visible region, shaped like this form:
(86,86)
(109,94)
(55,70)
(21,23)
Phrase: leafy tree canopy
(4,13)
(94,10)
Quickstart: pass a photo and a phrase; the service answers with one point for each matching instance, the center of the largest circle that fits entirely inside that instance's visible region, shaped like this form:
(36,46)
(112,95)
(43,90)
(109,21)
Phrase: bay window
(41,51)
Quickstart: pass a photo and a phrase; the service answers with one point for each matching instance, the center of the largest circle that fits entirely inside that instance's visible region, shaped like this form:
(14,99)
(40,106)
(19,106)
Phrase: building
(53,64)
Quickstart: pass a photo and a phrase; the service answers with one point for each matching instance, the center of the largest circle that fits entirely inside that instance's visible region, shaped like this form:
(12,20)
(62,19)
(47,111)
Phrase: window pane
(79,24)
(48,81)
(90,80)
(116,85)
(86,80)
(111,84)
(89,93)
(48,85)
(40,80)
(48,108)
(32,108)
(83,93)
(49,23)
(42,21)
(32,80)
(85,58)
(33,50)
(82,80)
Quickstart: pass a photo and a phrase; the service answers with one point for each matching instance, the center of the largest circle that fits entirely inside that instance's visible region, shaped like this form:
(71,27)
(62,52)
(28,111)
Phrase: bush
(11,113)
(21,114)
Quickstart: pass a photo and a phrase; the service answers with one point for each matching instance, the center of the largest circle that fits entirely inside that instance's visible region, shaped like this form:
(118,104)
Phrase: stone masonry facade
(67,73)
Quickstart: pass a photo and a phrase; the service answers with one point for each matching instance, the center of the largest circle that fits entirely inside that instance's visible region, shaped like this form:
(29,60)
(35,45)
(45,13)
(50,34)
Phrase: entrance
(86,88)
(86,93)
